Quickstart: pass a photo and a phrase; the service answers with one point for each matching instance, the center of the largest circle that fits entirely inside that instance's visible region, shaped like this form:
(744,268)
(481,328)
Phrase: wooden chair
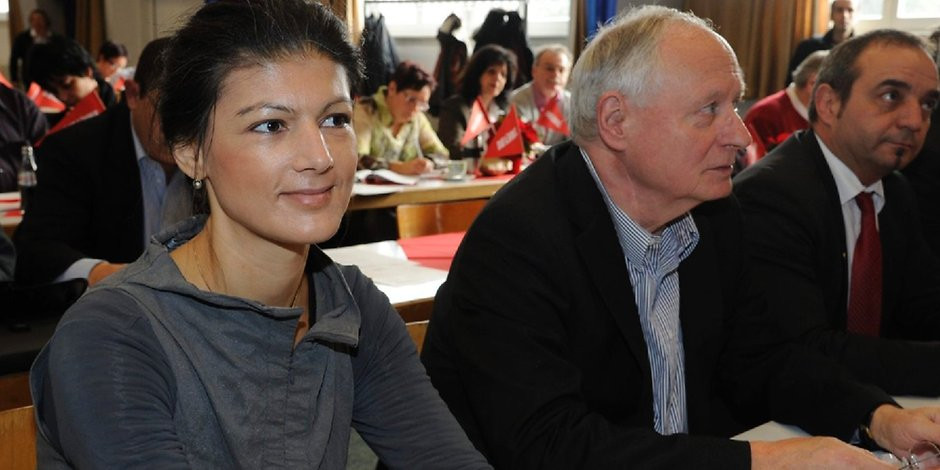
(14,391)
(417,330)
(415,220)
(18,439)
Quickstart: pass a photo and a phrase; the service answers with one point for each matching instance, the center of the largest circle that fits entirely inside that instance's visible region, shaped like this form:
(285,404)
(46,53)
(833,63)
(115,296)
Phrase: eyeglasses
(417,102)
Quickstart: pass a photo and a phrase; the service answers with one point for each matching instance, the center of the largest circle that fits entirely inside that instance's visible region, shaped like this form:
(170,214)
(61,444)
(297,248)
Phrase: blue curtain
(597,13)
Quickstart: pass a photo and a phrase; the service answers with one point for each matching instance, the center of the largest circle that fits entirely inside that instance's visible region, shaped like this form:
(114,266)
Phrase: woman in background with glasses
(391,128)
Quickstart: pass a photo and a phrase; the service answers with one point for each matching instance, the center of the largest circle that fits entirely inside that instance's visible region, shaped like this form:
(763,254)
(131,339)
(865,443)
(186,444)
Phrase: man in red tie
(832,227)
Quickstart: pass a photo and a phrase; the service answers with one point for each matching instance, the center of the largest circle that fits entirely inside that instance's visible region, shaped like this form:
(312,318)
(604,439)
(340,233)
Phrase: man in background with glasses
(599,313)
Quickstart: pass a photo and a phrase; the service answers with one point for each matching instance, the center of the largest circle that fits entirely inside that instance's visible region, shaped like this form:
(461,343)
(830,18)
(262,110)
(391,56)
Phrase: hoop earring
(197,184)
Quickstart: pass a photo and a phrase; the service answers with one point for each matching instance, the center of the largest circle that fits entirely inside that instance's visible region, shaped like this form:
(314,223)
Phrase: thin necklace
(202,276)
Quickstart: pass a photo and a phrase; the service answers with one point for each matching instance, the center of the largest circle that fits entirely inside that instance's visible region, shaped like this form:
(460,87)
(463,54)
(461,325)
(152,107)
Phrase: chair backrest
(14,391)
(18,439)
(417,330)
(415,220)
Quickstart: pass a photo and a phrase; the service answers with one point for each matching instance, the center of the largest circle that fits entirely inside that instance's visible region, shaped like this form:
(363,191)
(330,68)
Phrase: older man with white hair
(547,89)
(598,313)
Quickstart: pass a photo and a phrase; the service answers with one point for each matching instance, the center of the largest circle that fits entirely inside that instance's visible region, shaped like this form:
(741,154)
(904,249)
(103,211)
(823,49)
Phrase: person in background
(833,228)
(64,68)
(549,78)
(234,342)
(599,314)
(772,119)
(39,32)
(21,123)
(842,15)
(105,186)
(112,57)
(392,130)
(484,80)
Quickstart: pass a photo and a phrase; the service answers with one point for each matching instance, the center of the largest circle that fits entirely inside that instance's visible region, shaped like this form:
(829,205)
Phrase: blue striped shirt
(653,263)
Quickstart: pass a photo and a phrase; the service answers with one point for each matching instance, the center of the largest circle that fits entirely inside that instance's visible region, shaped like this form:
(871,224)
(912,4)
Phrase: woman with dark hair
(234,342)
(112,57)
(484,80)
(391,128)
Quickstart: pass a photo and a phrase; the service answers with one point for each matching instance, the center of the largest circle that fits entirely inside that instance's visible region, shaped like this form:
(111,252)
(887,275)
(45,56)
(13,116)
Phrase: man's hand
(415,166)
(808,453)
(103,270)
(897,429)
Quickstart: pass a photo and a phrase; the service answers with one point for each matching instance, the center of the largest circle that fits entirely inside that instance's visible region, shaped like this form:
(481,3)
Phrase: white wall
(136,22)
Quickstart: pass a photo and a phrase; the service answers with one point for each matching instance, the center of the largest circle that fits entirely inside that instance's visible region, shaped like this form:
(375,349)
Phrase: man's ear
(90,72)
(828,104)
(613,109)
(392,87)
(132,93)
(188,160)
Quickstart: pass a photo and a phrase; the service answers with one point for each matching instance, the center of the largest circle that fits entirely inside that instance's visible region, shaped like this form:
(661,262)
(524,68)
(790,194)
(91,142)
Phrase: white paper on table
(362,189)
(385,263)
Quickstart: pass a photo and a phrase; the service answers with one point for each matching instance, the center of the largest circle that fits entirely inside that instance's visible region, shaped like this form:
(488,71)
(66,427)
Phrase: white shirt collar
(847,182)
(795,101)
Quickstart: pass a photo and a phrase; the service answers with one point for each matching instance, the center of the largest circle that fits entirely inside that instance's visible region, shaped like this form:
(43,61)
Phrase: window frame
(889,19)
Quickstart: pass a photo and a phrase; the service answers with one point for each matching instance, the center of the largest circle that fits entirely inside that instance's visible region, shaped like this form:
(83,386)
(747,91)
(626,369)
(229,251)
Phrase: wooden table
(426,191)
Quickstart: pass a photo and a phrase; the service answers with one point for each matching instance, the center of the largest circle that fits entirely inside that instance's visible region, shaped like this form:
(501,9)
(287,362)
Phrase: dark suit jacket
(796,235)
(88,201)
(924,175)
(535,341)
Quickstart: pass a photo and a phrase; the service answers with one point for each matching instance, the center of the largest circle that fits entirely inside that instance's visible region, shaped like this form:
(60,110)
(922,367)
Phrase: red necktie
(865,298)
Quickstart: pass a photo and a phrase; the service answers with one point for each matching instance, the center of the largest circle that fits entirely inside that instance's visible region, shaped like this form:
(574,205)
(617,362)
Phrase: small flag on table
(476,124)
(508,139)
(552,118)
(90,106)
(46,101)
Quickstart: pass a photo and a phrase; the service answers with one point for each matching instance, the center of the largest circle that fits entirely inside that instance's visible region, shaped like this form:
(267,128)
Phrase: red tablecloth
(433,251)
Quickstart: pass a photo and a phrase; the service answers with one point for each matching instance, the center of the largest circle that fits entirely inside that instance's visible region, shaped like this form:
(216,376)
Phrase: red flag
(478,122)
(90,106)
(118,84)
(552,118)
(508,139)
(47,102)
(5,82)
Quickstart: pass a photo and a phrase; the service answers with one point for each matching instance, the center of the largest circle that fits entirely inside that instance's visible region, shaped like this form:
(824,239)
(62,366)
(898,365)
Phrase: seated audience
(112,57)
(21,123)
(391,128)
(842,15)
(598,313)
(772,119)
(105,186)
(549,77)
(832,227)
(484,81)
(64,68)
(234,342)
(39,32)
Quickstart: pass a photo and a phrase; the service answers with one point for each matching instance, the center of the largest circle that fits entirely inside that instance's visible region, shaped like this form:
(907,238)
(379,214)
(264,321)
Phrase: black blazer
(88,201)
(536,345)
(796,236)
